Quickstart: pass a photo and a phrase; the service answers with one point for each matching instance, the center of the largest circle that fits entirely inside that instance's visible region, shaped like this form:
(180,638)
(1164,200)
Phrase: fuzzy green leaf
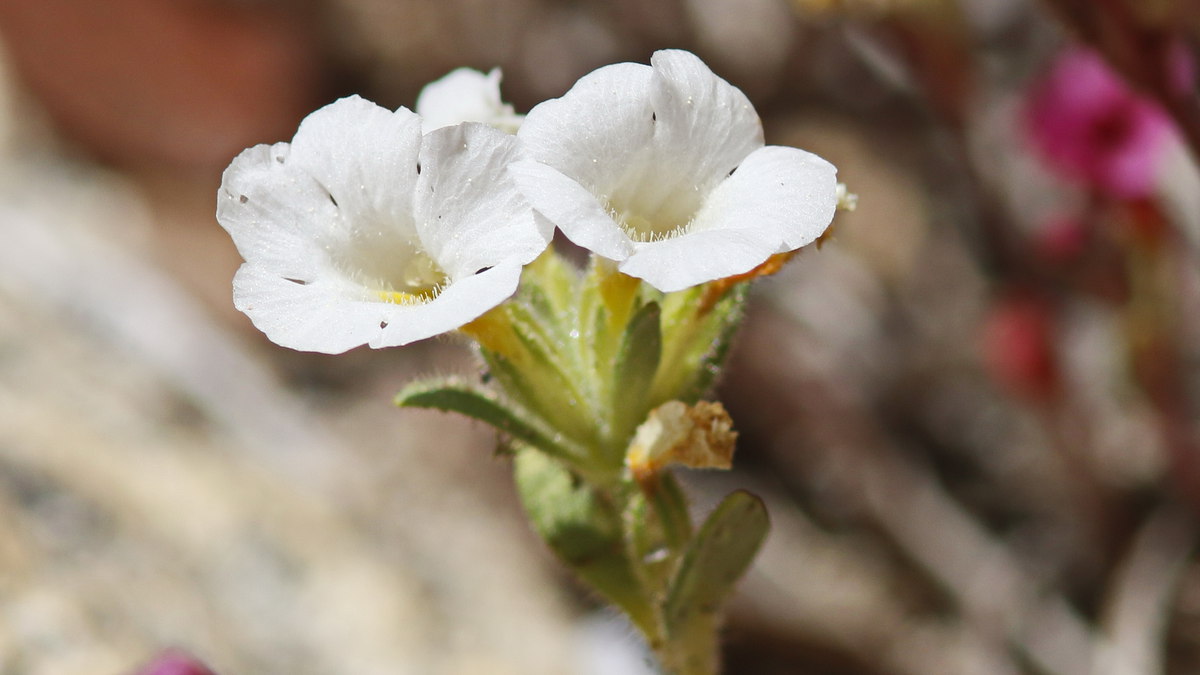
(657,528)
(717,557)
(482,405)
(542,392)
(583,529)
(672,505)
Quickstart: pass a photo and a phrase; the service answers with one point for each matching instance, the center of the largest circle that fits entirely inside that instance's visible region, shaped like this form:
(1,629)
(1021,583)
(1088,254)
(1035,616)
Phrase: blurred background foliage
(972,410)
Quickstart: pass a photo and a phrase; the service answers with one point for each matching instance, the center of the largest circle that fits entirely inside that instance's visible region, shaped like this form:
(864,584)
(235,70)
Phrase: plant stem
(694,652)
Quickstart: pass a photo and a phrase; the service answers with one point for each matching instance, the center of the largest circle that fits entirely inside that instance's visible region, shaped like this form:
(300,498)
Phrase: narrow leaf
(542,394)
(657,528)
(672,505)
(718,556)
(553,382)
(482,405)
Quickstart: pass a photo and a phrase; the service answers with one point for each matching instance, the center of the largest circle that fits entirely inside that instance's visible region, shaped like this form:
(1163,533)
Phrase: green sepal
(554,279)
(633,371)
(540,391)
(583,529)
(726,318)
(538,333)
(482,405)
(607,301)
(717,557)
(697,344)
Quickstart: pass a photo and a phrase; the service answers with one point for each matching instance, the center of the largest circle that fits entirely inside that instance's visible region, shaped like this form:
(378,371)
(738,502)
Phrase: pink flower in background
(174,662)
(1089,124)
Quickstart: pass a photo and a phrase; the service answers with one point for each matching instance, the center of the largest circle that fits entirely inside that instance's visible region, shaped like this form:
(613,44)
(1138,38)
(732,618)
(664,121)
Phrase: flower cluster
(386,227)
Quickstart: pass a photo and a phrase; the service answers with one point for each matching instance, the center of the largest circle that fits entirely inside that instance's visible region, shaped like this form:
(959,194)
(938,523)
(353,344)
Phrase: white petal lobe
(576,211)
(785,191)
(681,262)
(469,214)
(465,95)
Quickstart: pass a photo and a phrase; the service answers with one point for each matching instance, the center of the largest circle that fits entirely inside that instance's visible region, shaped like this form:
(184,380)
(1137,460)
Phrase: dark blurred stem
(1158,364)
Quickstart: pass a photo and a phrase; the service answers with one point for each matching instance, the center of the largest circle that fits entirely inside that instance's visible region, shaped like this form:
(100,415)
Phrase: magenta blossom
(1092,127)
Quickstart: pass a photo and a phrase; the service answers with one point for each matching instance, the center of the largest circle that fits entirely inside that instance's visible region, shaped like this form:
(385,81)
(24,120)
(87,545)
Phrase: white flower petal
(690,259)
(459,303)
(785,191)
(778,200)
(469,214)
(465,95)
(352,144)
(577,212)
(325,315)
(275,215)
(595,127)
(704,123)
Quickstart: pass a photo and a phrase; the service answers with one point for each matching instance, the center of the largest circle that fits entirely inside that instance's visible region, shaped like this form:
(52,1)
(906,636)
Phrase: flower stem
(693,653)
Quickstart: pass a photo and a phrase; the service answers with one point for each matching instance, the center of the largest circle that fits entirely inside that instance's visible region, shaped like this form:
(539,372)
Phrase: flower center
(393,267)
(645,218)
(421,280)
(640,228)
(1114,130)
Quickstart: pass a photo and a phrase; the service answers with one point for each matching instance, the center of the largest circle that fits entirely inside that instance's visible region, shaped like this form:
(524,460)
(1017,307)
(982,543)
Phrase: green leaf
(634,369)
(584,529)
(476,403)
(657,527)
(672,505)
(717,557)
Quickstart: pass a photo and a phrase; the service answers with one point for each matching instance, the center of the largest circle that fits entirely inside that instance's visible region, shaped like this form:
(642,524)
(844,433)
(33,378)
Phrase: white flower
(662,168)
(363,231)
(466,95)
